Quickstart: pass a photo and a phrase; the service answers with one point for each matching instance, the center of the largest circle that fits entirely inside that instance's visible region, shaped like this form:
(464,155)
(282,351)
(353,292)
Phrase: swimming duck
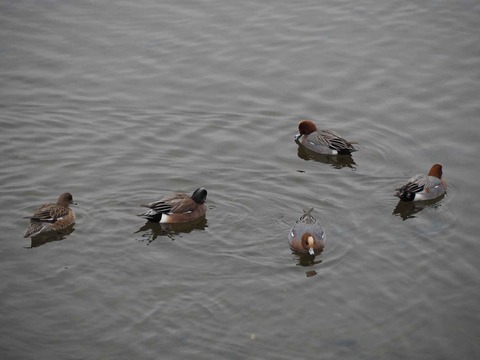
(52,217)
(307,236)
(177,208)
(423,187)
(325,142)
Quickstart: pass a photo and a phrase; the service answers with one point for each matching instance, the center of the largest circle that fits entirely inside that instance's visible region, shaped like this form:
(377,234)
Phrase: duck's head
(199,195)
(436,171)
(65,200)
(305,127)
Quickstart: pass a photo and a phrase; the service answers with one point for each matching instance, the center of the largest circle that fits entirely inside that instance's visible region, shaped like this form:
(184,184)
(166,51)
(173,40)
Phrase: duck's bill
(311,251)
(297,136)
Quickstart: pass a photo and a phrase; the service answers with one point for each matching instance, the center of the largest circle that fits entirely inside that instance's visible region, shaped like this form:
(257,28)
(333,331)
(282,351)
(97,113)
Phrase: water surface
(121,104)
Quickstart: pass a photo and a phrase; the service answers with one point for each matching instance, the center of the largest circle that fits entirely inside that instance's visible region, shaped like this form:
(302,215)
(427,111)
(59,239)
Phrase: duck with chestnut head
(423,187)
(326,142)
(306,235)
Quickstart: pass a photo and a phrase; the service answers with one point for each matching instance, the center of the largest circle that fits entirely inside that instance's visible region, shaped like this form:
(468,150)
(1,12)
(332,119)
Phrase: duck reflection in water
(51,236)
(152,231)
(306,260)
(408,209)
(336,161)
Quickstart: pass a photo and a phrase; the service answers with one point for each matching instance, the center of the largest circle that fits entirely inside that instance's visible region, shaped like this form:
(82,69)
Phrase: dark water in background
(121,103)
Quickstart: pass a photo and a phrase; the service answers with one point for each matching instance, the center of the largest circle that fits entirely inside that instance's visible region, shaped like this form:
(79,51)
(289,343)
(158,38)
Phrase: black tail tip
(151,218)
(345,152)
(405,195)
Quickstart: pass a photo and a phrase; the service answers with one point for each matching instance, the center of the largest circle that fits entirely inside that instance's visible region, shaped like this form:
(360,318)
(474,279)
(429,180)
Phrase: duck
(306,235)
(52,217)
(177,208)
(424,187)
(326,142)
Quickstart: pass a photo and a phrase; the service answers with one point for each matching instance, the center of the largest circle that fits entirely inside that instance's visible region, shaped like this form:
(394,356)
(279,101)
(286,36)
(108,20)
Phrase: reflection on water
(307,260)
(47,237)
(150,231)
(336,161)
(408,209)
(110,99)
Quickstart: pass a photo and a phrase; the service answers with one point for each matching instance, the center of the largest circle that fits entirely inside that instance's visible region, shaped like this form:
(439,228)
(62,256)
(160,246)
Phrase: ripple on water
(124,104)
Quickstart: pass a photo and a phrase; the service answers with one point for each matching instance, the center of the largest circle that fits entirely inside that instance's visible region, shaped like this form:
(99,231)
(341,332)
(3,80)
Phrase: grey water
(121,103)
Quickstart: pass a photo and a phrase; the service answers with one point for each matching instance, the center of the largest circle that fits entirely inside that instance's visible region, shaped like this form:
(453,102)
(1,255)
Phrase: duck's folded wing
(49,213)
(307,218)
(173,203)
(159,206)
(185,205)
(415,185)
(332,140)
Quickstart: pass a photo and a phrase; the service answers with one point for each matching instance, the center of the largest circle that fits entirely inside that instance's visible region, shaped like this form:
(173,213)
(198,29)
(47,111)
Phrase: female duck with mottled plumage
(307,236)
(326,142)
(424,187)
(177,208)
(52,217)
